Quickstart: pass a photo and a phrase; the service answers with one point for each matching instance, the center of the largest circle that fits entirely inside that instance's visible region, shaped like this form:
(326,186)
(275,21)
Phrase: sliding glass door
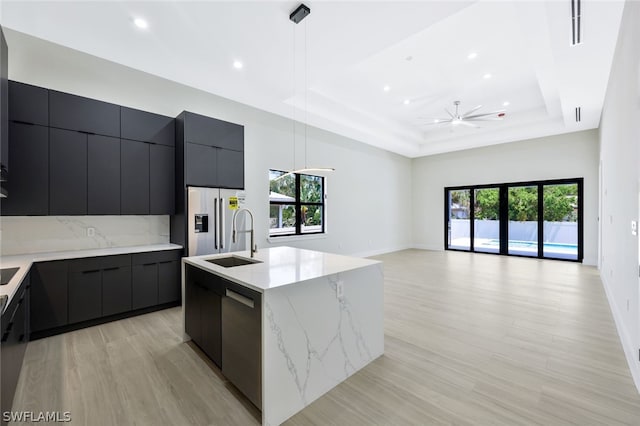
(540,219)
(561,221)
(458,219)
(486,223)
(523,220)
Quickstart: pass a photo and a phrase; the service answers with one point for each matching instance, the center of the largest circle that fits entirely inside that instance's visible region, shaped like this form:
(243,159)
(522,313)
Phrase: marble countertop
(280,266)
(24,261)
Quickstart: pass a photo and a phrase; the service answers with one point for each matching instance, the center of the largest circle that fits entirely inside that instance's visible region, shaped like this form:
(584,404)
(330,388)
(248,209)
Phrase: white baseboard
(427,247)
(378,252)
(630,351)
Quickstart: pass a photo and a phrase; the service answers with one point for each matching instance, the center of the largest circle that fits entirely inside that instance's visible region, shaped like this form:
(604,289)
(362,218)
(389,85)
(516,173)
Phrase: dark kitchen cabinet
(134,175)
(230,169)
(67,172)
(4,107)
(103,171)
(71,112)
(203,295)
(213,132)
(200,165)
(28,104)
(147,127)
(85,295)
(116,290)
(15,335)
(169,287)
(49,301)
(161,179)
(145,285)
(29,183)
(156,278)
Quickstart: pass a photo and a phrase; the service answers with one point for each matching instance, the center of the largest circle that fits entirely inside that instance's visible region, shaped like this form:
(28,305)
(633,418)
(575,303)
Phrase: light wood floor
(469,339)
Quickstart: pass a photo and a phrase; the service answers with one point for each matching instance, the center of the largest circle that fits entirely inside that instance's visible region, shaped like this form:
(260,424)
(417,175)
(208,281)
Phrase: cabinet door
(85,295)
(169,287)
(67,173)
(213,132)
(147,127)
(49,290)
(230,169)
(162,189)
(192,309)
(201,165)
(145,285)
(103,175)
(73,112)
(116,290)
(134,177)
(29,182)
(210,314)
(28,104)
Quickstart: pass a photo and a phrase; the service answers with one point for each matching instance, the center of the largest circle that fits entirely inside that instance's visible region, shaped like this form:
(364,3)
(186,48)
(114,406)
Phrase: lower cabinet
(225,320)
(49,295)
(203,296)
(15,334)
(156,278)
(69,292)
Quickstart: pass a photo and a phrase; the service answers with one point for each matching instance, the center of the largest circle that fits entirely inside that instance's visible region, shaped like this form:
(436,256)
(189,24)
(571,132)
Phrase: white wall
(369,194)
(564,156)
(620,159)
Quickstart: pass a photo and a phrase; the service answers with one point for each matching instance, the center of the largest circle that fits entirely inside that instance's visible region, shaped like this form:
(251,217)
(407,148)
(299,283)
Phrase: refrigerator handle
(215,223)
(222,223)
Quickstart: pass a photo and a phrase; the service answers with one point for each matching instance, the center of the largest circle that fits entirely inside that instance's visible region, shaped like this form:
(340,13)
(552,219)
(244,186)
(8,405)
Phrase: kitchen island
(312,318)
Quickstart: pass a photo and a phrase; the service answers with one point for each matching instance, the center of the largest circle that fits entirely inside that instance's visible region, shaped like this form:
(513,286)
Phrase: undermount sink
(231,261)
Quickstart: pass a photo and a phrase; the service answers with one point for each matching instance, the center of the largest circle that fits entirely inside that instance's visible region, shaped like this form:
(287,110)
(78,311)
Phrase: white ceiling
(353,49)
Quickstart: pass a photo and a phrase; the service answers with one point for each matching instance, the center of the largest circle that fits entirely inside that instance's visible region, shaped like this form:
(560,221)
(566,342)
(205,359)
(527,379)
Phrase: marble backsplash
(33,234)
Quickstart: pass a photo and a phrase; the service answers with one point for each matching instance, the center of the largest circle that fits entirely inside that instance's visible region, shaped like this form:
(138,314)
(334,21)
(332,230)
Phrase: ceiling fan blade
(440,121)
(485,119)
(450,114)
(485,114)
(471,111)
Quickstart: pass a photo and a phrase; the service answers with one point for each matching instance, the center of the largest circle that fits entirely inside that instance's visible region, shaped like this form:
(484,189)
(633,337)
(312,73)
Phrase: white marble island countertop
(280,266)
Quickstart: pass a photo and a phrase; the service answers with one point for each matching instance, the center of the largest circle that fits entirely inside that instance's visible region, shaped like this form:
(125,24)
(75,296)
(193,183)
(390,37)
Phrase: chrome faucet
(254,247)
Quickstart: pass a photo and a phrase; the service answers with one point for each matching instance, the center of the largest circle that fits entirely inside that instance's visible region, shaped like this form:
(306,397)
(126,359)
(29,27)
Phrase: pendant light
(301,12)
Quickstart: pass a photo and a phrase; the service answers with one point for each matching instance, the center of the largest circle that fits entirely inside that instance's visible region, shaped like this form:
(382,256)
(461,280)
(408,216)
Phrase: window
(540,219)
(296,204)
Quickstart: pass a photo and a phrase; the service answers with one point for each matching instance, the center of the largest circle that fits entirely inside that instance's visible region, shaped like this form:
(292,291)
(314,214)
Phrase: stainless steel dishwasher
(242,340)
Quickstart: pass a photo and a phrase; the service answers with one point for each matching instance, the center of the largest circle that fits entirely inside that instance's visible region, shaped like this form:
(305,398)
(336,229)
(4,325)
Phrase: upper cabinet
(147,127)
(212,132)
(4,113)
(28,104)
(212,151)
(86,115)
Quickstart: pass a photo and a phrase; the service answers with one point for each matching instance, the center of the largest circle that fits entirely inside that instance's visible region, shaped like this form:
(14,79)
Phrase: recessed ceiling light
(472,55)
(386,88)
(436,121)
(486,76)
(407,101)
(506,103)
(141,23)
(237,65)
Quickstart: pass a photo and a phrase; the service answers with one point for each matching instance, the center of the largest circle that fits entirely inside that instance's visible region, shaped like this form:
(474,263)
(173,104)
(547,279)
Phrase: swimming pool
(523,248)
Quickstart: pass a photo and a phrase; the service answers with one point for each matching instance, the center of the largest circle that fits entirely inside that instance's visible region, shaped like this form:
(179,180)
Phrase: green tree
(487,204)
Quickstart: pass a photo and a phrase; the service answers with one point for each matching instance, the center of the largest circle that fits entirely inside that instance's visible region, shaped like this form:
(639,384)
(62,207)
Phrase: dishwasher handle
(240,298)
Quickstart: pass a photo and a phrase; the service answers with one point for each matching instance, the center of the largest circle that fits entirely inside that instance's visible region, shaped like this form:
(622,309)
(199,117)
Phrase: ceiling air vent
(578,114)
(576,22)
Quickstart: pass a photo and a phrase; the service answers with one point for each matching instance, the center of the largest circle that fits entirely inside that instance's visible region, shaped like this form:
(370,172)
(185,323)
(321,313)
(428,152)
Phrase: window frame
(503,194)
(298,204)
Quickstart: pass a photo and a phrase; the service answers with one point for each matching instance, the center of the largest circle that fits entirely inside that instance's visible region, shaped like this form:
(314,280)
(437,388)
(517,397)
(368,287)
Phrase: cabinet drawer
(73,112)
(99,263)
(147,127)
(28,104)
(155,257)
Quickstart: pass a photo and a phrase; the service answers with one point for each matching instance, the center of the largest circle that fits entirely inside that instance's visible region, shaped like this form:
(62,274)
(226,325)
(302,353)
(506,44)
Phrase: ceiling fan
(468,118)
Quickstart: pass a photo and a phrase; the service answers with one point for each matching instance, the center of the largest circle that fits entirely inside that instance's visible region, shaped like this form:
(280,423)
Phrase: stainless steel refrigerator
(209,221)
